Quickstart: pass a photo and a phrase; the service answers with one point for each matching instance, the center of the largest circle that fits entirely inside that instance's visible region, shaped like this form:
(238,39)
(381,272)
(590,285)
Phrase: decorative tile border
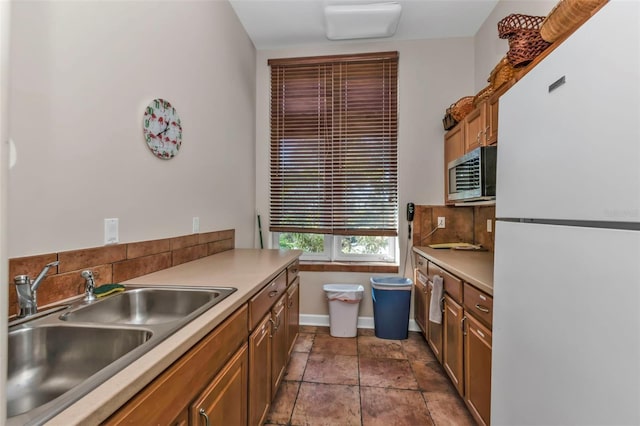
(114,263)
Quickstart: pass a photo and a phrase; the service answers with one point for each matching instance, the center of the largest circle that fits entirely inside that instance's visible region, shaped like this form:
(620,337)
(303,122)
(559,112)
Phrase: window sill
(312,266)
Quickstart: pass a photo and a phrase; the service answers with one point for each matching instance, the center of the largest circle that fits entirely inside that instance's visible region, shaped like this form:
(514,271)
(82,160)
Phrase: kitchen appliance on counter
(472,177)
(566,327)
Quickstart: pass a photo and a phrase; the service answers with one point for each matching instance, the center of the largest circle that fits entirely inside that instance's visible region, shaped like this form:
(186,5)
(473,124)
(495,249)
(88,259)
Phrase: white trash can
(344,302)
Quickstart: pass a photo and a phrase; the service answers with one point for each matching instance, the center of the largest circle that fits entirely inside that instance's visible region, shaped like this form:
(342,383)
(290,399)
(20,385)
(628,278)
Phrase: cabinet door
(279,344)
(182,419)
(475,127)
(434,331)
(477,364)
(420,301)
(260,372)
(224,401)
(452,355)
(491,131)
(453,148)
(293,314)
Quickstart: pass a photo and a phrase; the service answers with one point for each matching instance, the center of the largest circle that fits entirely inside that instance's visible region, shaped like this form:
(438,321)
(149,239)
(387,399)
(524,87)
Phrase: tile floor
(365,381)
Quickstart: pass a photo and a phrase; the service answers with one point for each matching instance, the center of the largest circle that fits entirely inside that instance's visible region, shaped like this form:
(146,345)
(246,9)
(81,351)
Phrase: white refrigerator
(566,333)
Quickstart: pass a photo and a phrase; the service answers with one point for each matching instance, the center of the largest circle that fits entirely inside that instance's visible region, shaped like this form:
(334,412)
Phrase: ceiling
(275,24)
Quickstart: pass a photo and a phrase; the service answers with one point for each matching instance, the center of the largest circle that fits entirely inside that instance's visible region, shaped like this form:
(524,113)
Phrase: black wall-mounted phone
(411,208)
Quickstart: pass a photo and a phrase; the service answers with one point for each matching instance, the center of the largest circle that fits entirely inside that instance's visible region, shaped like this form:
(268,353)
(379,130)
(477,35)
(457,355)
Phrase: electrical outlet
(111,231)
(489,225)
(441,222)
(196,225)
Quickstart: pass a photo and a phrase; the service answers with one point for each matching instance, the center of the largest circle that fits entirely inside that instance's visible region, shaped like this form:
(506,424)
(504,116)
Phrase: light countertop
(248,270)
(474,267)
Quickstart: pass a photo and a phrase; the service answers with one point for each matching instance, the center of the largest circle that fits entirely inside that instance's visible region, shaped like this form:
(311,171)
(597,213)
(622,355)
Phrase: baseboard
(363,322)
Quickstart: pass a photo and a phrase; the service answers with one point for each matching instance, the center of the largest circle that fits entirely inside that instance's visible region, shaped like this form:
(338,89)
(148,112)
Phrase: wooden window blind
(334,144)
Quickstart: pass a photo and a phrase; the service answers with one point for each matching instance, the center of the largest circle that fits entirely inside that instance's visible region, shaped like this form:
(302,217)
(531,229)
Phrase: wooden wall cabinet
(453,148)
(475,127)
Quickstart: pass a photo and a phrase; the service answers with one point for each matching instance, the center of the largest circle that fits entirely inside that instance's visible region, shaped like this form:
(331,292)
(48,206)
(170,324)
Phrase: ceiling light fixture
(353,21)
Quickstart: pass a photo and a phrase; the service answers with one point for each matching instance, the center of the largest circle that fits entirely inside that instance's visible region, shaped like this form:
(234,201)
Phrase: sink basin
(45,362)
(54,360)
(147,306)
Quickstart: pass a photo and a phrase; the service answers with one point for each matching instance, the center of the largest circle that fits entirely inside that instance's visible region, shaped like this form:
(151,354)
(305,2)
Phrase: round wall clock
(162,129)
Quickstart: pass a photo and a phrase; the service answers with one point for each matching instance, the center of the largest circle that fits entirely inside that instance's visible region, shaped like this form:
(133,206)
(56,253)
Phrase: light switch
(196,225)
(111,231)
(489,225)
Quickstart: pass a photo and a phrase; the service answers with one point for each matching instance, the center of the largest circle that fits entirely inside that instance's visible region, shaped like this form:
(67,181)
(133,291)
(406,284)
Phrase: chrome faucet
(89,286)
(26,290)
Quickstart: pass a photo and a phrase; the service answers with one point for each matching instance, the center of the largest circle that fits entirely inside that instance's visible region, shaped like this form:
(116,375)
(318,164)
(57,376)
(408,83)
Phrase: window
(334,154)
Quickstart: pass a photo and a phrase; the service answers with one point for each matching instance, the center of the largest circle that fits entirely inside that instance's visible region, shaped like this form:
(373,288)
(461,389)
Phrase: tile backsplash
(112,264)
(463,224)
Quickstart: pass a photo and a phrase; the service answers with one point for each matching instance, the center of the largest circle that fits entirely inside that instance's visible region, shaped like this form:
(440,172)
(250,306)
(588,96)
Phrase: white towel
(435,314)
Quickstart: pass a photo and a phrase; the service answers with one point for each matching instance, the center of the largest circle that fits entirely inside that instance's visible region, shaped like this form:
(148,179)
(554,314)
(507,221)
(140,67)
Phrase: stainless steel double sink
(58,356)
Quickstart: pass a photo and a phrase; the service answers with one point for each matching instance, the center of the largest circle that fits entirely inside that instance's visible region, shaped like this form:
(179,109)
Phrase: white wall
(5,27)
(83,73)
(489,48)
(432,75)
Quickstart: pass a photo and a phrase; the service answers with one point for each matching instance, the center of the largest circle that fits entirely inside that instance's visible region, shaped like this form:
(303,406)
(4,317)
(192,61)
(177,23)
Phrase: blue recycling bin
(391,303)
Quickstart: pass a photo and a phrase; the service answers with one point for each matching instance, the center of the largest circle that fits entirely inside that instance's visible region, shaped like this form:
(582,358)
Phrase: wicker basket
(448,122)
(523,33)
(501,73)
(461,108)
(482,95)
(565,16)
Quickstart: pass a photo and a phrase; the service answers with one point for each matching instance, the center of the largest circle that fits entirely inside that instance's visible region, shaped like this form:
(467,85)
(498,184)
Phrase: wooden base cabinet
(477,356)
(224,401)
(452,353)
(279,343)
(259,376)
(167,399)
(421,312)
(434,330)
(293,314)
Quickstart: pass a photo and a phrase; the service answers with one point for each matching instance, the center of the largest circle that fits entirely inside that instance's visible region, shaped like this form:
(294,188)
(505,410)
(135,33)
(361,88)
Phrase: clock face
(162,129)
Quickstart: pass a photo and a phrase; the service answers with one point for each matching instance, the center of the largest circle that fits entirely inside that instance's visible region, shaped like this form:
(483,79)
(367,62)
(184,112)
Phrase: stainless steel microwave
(472,177)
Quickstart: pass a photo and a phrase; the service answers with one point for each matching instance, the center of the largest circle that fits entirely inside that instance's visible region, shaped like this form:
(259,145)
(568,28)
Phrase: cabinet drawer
(452,284)
(479,304)
(264,300)
(292,271)
(421,264)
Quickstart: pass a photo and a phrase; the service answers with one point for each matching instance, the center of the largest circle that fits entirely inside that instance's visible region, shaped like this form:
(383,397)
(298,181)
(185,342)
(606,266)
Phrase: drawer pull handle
(482,308)
(464,332)
(273,293)
(204,414)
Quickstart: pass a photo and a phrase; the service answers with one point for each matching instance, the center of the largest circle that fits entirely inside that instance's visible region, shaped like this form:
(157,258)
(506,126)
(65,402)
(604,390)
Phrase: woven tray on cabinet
(462,107)
(523,33)
(501,73)
(565,16)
